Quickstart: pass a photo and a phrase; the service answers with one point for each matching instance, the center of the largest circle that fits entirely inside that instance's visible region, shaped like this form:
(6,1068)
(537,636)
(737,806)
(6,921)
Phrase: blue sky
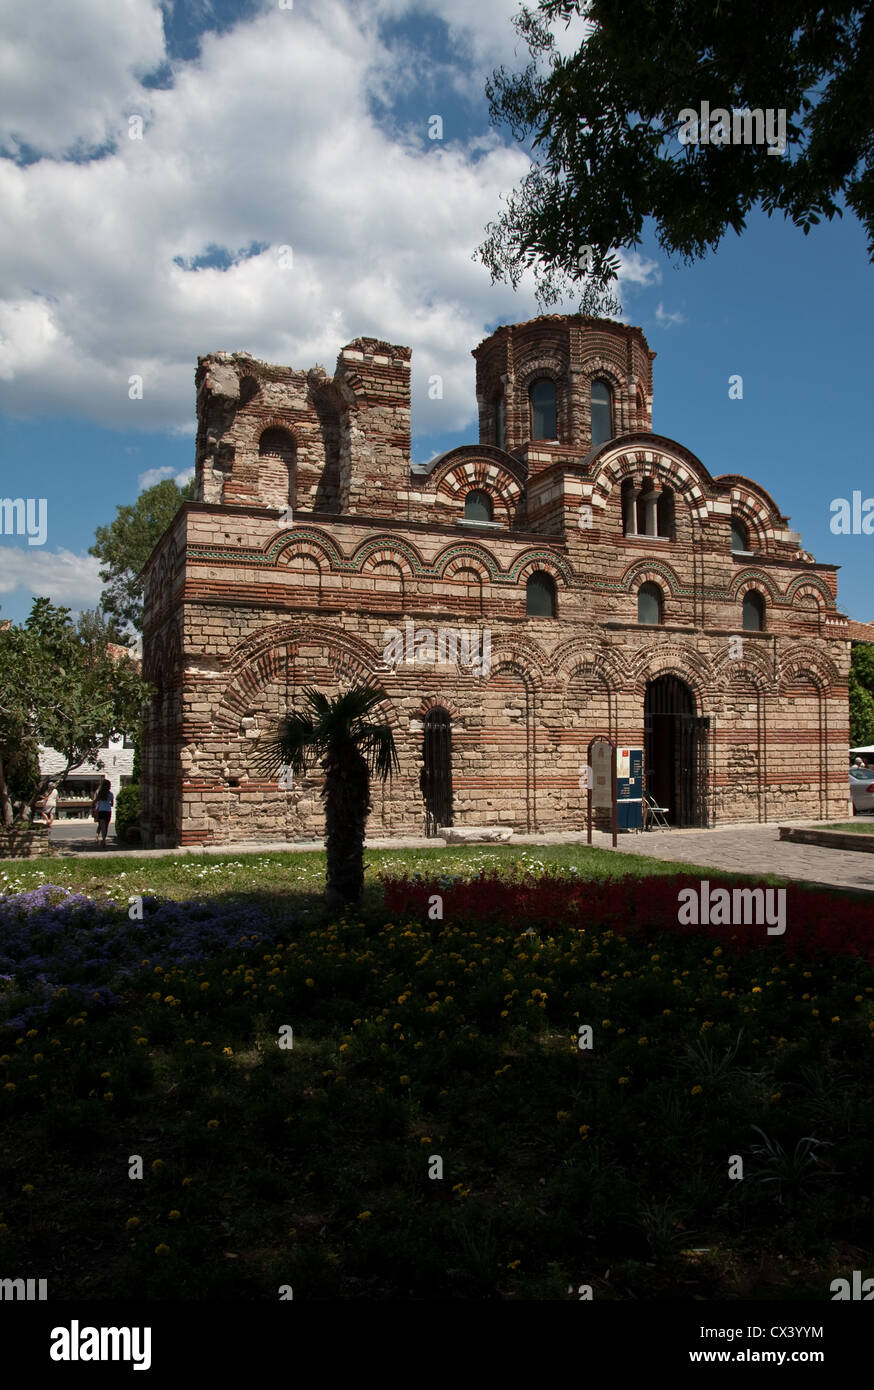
(309,127)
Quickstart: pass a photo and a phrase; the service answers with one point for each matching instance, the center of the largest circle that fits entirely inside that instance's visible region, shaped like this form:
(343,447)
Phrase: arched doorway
(436,776)
(676,751)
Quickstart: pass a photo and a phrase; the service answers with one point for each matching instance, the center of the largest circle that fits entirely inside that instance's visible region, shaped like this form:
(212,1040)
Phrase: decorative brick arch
(524,657)
(810,585)
(389,554)
(807,663)
(650,572)
(754,515)
(466,555)
(456,564)
(577,652)
(672,659)
(747,579)
(459,477)
(306,549)
(529,561)
(642,460)
(754,666)
(429,702)
(291,635)
(387,547)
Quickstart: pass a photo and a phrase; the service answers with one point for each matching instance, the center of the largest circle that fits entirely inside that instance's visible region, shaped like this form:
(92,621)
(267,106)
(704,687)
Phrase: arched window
(753,611)
(602,412)
(665,513)
(276,441)
(277,451)
(740,536)
(649,605)
(540,595)
(543,410)
(478,506)
(499,421)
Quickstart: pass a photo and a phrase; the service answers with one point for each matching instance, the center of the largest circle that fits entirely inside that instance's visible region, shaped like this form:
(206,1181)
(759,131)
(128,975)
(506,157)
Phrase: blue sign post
(629,788)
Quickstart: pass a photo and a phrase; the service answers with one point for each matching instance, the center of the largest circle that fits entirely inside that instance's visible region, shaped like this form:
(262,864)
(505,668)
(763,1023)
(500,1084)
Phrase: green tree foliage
(603,123)
(60,686)
(127,813)
(124,546)
(862,696)
(350,747)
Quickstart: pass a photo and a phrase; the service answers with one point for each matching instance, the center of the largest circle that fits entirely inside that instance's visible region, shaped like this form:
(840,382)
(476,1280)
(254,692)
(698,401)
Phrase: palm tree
(350,748)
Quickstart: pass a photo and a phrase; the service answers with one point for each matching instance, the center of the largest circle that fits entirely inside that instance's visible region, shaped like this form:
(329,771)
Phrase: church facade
(571,575)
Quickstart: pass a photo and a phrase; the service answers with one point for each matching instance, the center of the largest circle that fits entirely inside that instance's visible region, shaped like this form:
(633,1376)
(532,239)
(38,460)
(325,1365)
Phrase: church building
(571,575)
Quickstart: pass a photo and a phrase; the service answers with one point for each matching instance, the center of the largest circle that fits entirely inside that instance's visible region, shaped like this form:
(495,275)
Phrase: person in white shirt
(102,807)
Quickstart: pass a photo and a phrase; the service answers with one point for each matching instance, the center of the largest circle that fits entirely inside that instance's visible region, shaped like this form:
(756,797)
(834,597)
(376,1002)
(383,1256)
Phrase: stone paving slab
(754,849)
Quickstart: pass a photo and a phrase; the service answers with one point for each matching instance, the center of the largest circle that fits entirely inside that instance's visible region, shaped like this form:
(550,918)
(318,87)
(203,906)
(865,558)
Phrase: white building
(115,762)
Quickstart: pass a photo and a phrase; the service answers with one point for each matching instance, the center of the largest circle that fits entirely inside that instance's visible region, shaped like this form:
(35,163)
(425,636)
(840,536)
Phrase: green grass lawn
(417,1041)
(860,827)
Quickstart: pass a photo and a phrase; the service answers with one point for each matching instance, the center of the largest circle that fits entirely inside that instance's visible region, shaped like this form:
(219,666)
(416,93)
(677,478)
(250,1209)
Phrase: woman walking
(102,807)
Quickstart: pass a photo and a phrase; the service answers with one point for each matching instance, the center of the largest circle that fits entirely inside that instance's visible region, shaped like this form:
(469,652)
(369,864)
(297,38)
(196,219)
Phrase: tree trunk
(347,805)
(5,802)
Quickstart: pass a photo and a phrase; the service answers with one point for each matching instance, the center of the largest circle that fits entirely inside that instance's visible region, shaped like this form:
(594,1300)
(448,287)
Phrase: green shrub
(127,813)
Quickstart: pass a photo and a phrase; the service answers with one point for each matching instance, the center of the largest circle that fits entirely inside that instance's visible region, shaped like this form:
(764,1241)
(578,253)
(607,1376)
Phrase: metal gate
(676,751)
(436,775)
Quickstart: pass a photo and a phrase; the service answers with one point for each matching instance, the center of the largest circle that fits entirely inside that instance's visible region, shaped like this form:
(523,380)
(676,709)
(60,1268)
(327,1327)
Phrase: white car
(862,789)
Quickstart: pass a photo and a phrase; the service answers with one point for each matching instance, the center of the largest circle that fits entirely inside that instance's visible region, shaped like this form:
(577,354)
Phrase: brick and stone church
(572,574)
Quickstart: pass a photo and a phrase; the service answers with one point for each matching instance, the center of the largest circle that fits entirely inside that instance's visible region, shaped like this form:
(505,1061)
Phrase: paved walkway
(753,849)
(750,849)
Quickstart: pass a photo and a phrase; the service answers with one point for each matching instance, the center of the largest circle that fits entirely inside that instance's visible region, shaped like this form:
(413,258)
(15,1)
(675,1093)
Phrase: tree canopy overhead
(125,545)
(605,126)
(64,686)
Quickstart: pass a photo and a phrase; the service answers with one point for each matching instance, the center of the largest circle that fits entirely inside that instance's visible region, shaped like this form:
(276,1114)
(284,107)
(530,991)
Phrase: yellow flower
(642,1042)
(104,1075)
(205,984)
(696,1090)
(605,1023)
(757,989)
(28,1189)
(309,983)
(141,1041)
(405,1080)
(10,1086)
(174,1215)
(623,1080)
(584,1131)
(162,1249)
(212,1124)
(227,1052)
(514,1264)
(561,1114)
(364,1215)
(704,1026)
(836,1019)
(132,1223)
(107,1095)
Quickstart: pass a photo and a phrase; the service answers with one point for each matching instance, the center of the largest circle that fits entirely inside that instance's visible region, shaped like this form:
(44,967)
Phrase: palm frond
(295,744)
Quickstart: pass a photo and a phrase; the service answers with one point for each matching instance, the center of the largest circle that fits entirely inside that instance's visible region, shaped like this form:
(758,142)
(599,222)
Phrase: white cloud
(60,575)
(269,139)
(157,475)
(668,320)
(68,72)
